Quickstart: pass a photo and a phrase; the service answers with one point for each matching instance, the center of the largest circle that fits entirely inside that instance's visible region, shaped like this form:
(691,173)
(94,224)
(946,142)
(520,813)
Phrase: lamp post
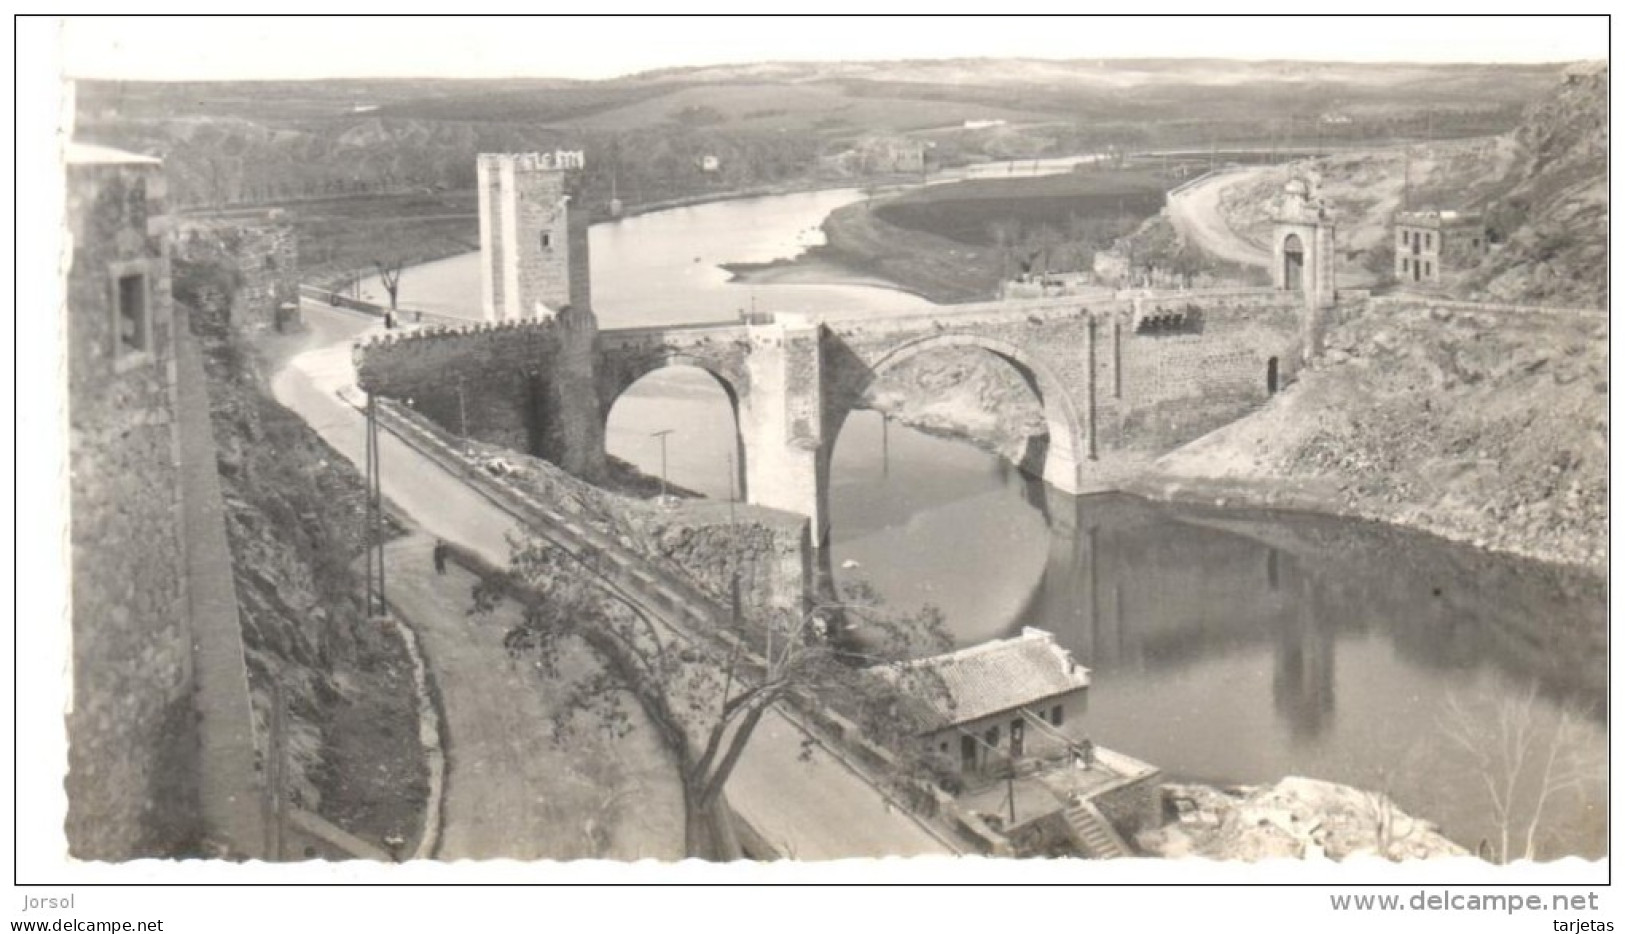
(662,436)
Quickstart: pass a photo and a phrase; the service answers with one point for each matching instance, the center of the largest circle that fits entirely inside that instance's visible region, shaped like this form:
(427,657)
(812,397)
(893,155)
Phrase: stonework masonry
(265,255)
(1120,380)
(131,727)
(534,260)
(506,384)
(535,266)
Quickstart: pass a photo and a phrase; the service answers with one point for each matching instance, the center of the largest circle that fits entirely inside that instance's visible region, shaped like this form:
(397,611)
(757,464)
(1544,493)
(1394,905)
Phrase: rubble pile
(1296,818)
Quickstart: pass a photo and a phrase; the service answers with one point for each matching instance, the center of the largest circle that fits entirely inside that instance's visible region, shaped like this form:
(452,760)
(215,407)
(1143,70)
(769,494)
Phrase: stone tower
(533,251)
(535,267)
(1305,256)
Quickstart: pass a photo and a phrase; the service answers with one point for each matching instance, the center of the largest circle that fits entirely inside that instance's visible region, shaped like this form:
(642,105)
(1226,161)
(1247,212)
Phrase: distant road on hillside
(1195,213)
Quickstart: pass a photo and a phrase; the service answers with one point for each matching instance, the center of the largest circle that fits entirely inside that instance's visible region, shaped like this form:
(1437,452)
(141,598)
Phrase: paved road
(1195,212)
(818,809)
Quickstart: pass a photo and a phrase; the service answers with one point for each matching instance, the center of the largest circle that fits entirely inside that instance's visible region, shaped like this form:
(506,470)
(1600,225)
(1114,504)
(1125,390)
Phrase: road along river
(1228,647)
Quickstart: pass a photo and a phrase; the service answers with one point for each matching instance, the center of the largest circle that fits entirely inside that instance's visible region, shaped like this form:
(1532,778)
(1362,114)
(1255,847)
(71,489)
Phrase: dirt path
(1195,212)
(511,792)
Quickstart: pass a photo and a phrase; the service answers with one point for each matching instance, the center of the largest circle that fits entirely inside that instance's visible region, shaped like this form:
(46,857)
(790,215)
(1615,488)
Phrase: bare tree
(1523,764)
(1391,826)
(389,273)
(706,693)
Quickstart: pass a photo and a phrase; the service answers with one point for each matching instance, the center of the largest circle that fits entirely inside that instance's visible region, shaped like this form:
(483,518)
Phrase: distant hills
(647,135)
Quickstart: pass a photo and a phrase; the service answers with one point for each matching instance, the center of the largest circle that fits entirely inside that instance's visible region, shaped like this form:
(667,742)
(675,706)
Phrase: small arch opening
(1292,262)
(1272,375)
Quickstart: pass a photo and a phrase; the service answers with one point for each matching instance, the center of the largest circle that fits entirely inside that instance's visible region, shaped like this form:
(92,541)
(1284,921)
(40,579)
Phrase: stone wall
(496,383)
(265,259)
(132,728)
(1133,806)
(1141,374)
(769,551)
(1160,387)
(1122,380)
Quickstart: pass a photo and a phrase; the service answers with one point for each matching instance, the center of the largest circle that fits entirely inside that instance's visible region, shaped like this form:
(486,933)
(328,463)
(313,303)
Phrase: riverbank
(1296,818)
(1482,427)
(957,242)
(809,271)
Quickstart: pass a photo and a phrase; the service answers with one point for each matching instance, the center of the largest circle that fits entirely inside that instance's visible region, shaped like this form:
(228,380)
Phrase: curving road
(1195,213)
(813,810)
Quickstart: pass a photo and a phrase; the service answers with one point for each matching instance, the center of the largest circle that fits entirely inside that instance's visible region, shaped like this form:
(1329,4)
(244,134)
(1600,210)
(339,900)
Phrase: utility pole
(662,436)
(733,479)
(375,509)
(275,803)
(462,408)
(885,444)
(1405,197)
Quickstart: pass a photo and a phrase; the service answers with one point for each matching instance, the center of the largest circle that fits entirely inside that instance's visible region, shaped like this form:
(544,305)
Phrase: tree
(706,693)
(1523,764)
(389,273)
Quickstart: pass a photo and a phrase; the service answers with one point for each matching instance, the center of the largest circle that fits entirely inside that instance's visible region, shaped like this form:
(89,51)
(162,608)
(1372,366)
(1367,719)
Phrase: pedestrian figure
(440,556)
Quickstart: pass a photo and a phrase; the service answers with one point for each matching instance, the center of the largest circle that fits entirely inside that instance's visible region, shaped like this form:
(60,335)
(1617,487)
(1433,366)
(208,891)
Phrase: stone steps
(1094,835)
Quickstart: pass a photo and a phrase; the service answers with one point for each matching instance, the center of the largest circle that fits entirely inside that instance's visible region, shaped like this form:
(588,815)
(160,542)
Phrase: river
(1227,647)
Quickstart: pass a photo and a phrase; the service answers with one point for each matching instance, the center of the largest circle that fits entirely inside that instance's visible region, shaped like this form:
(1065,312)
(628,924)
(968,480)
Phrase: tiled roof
(1004,675)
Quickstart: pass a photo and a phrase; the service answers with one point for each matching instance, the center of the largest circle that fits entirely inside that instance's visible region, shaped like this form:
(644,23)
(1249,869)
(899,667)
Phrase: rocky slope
(1296,818)
(293,522)
(710,544)
(1543,189)
(962,392)
(1486,427)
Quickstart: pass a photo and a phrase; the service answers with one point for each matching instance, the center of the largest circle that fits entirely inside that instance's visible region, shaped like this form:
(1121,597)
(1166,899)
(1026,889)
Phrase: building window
(1405,237)
(1427,269)
(1057,714)
(1427,242)
(547,239)
(1405,265)
(1475,243)
(133,324)
(992,737)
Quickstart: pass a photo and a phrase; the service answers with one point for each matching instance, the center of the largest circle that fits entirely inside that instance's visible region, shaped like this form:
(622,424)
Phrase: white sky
(603,47)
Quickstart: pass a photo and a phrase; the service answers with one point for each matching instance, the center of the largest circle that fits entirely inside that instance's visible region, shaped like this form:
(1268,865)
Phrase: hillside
(1485,427)
(1543,188)
(1555,211)
(262,142)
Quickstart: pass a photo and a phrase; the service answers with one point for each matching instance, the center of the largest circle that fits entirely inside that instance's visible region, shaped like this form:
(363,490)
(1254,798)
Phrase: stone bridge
(1119,380)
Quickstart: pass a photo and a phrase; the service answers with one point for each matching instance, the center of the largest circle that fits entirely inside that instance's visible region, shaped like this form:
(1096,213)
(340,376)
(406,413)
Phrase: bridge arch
(1068,446)
(629,371)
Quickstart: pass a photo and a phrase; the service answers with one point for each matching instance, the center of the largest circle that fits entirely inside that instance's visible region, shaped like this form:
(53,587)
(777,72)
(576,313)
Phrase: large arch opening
(677,422)
(923,518)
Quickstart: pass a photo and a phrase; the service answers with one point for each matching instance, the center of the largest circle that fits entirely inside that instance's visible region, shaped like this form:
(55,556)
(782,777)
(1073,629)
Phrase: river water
(1228,647)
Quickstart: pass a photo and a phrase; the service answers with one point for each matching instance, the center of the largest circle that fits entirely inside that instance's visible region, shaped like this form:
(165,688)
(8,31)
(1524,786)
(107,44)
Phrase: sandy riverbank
(806,269)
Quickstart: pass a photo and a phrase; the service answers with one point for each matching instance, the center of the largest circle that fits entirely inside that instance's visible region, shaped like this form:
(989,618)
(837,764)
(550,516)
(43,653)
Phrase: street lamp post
(662,436)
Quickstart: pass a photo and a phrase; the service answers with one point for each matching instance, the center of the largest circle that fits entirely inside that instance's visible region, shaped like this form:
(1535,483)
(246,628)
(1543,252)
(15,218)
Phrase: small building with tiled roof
(1007,700)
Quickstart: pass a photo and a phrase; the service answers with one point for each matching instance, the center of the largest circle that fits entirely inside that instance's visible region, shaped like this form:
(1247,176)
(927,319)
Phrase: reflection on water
(1242,647)
(1226,646)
